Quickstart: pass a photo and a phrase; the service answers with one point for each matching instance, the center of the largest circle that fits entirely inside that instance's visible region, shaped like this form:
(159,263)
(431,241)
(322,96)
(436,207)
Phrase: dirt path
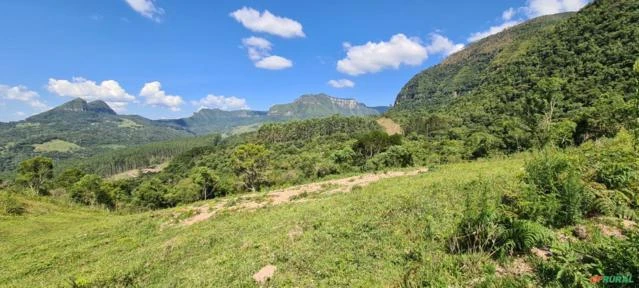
(277,197)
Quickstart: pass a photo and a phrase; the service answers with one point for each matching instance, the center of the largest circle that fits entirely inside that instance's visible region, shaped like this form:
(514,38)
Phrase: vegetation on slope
(567,83)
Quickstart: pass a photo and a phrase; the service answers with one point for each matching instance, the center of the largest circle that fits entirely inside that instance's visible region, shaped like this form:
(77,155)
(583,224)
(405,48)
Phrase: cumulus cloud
(22,94)
(441,44)
(147,9)
(109,91)
(492,30)
(257,47)
(266,22)
(341,83)
(535,8)
(274,63)
(259,51)
(221,102)
(373,57)
(154,95)
(508,14)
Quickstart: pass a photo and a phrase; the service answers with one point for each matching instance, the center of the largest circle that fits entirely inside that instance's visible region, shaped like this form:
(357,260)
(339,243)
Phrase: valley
(513,162)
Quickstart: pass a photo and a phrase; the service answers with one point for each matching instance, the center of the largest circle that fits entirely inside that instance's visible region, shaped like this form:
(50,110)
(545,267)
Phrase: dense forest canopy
(561,79)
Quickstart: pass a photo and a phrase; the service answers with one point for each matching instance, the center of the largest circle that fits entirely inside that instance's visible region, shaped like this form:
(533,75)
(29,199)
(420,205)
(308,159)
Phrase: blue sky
(169,58)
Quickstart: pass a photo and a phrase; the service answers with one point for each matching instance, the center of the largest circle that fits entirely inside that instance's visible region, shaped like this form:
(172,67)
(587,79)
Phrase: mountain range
(79,128)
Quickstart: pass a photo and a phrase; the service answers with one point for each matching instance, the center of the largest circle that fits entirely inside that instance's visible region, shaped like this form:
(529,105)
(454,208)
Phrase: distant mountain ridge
(317,105)
(304,107)
(94,127)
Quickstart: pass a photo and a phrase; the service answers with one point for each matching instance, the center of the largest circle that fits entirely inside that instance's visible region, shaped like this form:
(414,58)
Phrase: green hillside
(560,79)
(89,128)
(462,73)
(514,163)
(93,128)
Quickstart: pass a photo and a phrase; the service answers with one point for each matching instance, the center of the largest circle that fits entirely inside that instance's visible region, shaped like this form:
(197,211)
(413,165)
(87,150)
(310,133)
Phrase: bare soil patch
(277,197)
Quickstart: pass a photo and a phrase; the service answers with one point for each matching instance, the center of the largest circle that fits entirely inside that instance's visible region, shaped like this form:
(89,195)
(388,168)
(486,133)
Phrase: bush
(556,195)
(9,205)
(395,156)
(91,190)
(151,194)
(486,226)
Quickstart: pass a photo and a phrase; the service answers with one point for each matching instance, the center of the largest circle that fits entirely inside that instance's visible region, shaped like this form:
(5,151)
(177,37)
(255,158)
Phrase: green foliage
(151,194)
(249,163)
(9,205)
(550,81)
(486,226)
(556,192)
(35,174)
(369,144)
(481,144)
(68,177)
(206,181)
(305,130)
(91,190)
(394,156)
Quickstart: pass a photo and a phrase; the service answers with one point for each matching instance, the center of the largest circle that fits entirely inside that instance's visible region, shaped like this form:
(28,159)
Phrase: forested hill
(79,129)
(560,79)
(462,72)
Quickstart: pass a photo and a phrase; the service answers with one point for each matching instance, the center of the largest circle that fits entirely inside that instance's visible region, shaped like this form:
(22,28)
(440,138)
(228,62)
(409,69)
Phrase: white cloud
(535,8)
(221,102)
(274,63)
(259,51)
(492,30)
(109,91)
(22,94)
(257,47)
(341,83)
(508,14)
(155,96)
(268,23)
(147,9)
(441,44)
(374,57)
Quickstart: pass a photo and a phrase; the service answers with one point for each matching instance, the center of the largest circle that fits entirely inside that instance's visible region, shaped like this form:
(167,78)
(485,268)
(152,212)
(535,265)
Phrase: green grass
(371,237)
(56,146)
(126,123)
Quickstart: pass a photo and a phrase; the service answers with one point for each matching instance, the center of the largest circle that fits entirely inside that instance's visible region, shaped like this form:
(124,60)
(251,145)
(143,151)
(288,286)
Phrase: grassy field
(370,237)
(56,146)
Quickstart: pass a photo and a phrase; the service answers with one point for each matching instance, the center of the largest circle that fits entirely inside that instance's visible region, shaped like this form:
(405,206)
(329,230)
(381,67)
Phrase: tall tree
(249,163)
(35,173)
(203,177)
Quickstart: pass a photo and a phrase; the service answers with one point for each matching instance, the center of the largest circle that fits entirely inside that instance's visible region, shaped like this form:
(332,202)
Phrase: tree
(91,190)
(185,191)
(35,173)
(207,182)
(636,67)
(151,194)
(68,177)
(249,163)
(374,142)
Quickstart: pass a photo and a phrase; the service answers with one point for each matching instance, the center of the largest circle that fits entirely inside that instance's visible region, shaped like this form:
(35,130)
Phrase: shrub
(556,193)
(395,156)
(151,194)
(9,205)
(486,226)
(91,190)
